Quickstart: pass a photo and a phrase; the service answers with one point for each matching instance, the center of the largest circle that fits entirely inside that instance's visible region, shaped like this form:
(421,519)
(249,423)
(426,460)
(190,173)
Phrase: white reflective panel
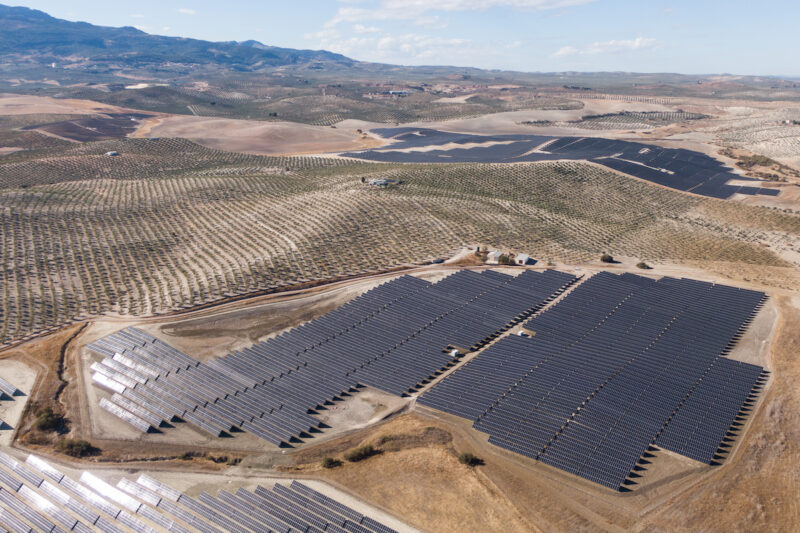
(158,487)
(112,493)
(45,468)
(108,383)
(37,501)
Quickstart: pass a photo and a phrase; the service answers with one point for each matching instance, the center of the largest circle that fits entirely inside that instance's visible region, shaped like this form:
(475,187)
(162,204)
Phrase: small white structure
(379,182)
(524,259)
(493,258)
(112,153)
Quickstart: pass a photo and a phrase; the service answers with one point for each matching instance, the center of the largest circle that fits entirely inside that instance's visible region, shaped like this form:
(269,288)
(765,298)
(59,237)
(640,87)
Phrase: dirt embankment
(47,356)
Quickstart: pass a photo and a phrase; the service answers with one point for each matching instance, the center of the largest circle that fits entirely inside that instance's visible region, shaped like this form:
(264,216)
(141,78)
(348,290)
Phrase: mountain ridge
(44,39)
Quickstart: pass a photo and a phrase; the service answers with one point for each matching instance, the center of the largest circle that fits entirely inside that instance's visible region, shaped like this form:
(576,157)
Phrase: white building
(493,258)
(524,259)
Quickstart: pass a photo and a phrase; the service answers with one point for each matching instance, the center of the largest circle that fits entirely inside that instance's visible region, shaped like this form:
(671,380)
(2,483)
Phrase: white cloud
(566,51)
(418,10)
(407,31)
(608,47)
(361,29)
(186,11)
(401,48)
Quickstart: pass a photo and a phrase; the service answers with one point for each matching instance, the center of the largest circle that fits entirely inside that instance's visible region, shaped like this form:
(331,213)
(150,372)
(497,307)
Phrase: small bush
(605,258)
(188,456)
(469,459)
(330,462)
(48,420)
(76,447)
(643,265)
(360,453)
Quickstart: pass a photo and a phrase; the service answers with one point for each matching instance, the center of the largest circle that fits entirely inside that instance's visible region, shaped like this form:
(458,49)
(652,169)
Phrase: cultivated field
(168,225)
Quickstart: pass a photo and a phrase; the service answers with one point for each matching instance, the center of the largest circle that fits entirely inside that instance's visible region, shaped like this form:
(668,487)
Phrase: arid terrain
(217,211)
(419,446)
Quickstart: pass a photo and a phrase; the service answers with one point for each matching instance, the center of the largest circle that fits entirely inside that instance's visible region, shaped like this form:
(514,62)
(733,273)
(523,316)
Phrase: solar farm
(394,338)
(588,374)
(622,364)
(675,168)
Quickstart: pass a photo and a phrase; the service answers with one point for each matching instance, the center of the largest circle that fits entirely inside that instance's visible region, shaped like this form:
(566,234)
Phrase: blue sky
(692,37)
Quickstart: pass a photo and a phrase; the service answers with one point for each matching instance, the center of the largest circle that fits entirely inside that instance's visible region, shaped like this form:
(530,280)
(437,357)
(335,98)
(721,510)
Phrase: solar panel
(580,393)
(394,337)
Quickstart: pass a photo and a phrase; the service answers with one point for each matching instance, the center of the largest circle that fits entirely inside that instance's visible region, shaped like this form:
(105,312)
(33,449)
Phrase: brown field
(257,137)
(15,104)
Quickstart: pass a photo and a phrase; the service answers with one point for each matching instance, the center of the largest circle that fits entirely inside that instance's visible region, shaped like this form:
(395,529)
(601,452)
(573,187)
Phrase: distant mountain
(40,38)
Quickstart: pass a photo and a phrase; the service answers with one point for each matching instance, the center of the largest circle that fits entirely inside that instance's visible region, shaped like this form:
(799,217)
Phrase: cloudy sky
(693,37)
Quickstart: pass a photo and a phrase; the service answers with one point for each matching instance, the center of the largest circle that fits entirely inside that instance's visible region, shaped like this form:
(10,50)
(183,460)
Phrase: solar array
(680,169)
(620,364)
(35,496)
(394,337)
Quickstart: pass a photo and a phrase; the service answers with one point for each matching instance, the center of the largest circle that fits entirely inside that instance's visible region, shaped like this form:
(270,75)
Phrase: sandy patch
(13,104)
(454,99)
(448,146)
(257,137)
(9,150)
(22,377)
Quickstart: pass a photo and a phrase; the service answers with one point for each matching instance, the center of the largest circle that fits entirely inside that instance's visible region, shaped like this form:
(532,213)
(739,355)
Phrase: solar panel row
(30,503)
(621,363)
(8,389)
(394,337)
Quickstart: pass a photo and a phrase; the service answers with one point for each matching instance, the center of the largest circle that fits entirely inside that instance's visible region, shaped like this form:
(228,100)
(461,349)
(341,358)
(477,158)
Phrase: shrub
(503,259)
(188,456)
(48,420)
(469,459)
(643,265)
(360,453)
(76,447)
(605,258)
(330,462)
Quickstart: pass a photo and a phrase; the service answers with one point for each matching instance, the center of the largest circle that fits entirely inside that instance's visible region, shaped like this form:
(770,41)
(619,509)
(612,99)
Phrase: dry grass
(420,479)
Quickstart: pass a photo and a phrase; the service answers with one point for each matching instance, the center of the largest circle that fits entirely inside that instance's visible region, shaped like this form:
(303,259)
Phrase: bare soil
(257,137)
(15,104)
